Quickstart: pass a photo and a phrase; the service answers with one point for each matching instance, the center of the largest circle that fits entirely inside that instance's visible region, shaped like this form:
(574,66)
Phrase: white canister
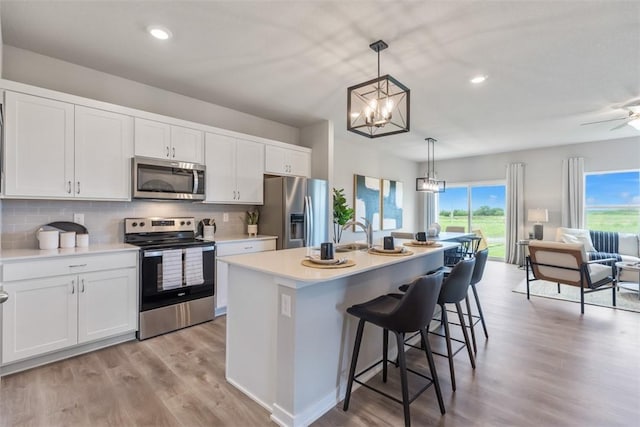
(82,240)
(68,239)
(48,239)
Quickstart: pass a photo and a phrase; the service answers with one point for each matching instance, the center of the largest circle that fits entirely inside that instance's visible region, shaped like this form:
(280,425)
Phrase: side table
(522,247)
(628,276)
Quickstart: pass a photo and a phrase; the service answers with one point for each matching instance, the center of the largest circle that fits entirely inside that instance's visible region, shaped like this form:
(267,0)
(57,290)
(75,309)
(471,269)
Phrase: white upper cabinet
(38,147)
(235,170)
(57,150)
(187,144)
(286,161)
(164,141)
(103,151)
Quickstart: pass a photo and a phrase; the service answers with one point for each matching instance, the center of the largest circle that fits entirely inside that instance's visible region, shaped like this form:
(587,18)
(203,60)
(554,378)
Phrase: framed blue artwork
(392,197)
(367,200)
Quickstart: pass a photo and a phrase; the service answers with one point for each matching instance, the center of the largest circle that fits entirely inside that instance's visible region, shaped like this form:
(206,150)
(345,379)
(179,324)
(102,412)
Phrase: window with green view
(476,207)
(612,201)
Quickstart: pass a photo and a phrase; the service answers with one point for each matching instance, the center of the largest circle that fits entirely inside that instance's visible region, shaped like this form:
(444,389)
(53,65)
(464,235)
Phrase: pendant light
(378,107)
(429,183)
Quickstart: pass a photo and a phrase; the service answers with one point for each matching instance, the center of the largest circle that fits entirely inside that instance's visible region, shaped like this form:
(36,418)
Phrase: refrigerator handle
(308,220)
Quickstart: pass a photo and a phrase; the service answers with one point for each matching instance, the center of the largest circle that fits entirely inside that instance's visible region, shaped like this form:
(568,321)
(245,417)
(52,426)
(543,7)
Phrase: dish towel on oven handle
(171,269)
(193,266)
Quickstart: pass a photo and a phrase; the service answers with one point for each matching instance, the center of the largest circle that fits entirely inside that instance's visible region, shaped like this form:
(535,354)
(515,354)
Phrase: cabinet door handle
(167,151)
(238,195)
(3,296)
(82,289)
(174,152)
(73,287)
(234,194)
(77,265)
(69,187)
(78,189)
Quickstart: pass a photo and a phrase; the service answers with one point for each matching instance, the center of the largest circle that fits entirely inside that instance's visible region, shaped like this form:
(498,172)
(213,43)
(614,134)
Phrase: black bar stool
(412,312)
(454,290)
(478,271)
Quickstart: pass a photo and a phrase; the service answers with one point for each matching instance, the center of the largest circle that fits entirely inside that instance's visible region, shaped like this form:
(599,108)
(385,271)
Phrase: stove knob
(142,224)
(181,222)
(188,222)
(134,224)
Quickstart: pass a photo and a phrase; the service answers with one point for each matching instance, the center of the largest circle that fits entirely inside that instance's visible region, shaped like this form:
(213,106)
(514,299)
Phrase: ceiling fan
(632,118)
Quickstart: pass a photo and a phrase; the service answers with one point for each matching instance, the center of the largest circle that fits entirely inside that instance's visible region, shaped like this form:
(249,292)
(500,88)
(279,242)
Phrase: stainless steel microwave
(167,179)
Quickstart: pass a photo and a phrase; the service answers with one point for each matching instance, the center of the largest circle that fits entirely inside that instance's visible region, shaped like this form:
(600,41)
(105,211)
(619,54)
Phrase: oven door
(154,289)
(165,179)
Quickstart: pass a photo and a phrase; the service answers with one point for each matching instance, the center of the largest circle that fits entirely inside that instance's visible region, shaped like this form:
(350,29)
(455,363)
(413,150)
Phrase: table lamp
(538,216)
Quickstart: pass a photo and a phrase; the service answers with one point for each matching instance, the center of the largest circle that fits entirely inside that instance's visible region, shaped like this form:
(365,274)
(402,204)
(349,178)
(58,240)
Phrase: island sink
(348,247)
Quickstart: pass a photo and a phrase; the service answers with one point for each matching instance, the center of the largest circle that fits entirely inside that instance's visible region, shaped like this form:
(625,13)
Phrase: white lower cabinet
(40,316)
(43,315)
(107,304)
(222,269)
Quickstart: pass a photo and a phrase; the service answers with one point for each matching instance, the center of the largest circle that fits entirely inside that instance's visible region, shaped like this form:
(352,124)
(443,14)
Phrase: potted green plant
(252,222)
(342,213)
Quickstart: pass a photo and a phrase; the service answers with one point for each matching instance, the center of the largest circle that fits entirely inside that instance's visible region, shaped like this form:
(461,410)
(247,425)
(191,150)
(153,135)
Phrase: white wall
(543,170)
(31,68)
(358,158)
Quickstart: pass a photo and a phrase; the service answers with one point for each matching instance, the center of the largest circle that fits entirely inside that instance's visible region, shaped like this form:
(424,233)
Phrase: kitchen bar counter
(289,339)
(24,254)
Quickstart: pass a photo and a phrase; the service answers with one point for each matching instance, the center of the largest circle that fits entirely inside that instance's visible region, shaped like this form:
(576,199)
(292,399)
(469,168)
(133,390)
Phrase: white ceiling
(552,65)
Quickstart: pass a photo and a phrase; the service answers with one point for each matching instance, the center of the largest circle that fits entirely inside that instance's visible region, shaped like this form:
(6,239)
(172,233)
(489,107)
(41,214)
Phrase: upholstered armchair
(568,263)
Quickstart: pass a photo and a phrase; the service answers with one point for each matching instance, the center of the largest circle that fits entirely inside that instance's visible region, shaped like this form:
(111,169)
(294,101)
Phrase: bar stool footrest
(411,398)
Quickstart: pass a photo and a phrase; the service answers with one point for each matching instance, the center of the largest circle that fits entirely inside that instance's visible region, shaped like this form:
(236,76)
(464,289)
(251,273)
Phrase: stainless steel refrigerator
(296,210)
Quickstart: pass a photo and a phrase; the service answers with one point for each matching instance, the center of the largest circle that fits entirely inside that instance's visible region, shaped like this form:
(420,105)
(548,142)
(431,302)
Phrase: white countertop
(241,238)
(21,254)
(287,263)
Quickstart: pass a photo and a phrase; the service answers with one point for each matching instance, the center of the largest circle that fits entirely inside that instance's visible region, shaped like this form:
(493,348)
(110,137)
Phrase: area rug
(625,299)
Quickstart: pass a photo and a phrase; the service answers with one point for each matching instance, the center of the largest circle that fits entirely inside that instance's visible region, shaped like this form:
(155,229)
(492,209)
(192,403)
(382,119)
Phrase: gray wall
(31,68)
(543,170)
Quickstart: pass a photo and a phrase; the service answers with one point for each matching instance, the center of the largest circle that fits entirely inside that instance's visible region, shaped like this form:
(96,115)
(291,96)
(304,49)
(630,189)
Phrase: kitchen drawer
(48,267)
(246,247)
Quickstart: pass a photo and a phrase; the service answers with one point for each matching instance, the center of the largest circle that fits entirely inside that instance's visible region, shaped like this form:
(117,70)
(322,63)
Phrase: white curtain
(515,210)
(573,192)
(429,209)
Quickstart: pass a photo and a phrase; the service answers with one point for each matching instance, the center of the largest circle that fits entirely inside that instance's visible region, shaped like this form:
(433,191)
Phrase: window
(476,207)
(612,201)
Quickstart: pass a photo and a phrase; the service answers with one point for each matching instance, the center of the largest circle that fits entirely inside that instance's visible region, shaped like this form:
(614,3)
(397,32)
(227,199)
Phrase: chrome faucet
(366,227)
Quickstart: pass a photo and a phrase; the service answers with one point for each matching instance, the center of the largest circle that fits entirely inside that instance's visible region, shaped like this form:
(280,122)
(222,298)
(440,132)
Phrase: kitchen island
(289,339)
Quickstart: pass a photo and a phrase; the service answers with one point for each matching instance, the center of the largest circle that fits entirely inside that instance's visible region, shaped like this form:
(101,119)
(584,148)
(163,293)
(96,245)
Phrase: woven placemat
(405,253)
(307,263)
(419,245)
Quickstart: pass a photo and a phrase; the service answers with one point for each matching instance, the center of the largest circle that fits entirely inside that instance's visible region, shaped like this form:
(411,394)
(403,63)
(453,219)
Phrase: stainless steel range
(176,274)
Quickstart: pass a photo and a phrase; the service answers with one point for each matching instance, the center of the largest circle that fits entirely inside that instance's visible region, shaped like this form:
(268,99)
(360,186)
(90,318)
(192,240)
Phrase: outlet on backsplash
(225,217)
(78,218)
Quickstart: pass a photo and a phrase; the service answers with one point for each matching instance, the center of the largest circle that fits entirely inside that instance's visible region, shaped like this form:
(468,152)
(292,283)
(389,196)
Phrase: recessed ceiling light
(478,79)
(160,33)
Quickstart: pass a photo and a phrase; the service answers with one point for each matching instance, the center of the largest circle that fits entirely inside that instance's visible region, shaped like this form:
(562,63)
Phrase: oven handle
(149,254)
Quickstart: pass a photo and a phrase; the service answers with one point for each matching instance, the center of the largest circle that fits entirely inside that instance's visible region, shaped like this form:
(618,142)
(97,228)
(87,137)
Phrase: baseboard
(23,365)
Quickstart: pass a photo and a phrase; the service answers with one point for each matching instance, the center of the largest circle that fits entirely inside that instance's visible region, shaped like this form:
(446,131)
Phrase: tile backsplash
(21,219)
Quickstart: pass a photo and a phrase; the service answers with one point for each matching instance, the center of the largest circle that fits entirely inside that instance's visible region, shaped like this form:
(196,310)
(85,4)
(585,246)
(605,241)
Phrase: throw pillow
(583,238)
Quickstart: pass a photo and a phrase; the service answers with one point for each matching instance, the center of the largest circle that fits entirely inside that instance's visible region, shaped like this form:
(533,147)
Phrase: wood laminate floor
(543,364)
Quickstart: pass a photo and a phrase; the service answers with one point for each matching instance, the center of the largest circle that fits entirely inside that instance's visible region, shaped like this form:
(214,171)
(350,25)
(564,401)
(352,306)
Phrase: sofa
(604,244)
